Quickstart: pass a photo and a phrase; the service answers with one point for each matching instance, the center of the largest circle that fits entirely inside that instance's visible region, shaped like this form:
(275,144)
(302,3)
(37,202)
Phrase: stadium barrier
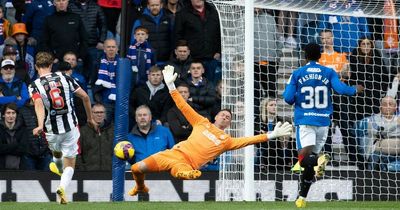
(97,187)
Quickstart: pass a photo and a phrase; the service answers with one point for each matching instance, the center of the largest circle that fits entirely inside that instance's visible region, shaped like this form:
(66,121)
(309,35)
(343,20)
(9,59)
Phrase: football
(124,150)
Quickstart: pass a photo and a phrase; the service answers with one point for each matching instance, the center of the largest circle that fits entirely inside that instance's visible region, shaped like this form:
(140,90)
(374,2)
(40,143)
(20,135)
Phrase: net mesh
(362,142)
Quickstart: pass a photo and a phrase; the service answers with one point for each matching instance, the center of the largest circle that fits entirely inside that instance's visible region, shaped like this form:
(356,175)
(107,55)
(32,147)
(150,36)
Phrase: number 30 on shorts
(315,97)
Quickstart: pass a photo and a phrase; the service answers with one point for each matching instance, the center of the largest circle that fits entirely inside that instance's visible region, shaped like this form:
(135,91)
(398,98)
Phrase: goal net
(359,39)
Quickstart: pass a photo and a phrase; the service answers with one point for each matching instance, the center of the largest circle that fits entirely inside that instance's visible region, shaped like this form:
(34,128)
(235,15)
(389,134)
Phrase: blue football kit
(310,89)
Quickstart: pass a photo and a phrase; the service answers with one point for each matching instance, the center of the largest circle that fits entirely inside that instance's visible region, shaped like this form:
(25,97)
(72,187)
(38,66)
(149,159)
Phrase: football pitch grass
(197,205)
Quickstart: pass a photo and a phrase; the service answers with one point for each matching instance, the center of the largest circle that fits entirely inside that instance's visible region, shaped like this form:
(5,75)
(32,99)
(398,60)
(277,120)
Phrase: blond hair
(263,108)
(44,59)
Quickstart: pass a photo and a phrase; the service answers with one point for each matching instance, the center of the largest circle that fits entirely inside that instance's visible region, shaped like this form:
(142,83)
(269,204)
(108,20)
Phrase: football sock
(138,176)
(309,161)
(307,176)
(306,180)
(59,163)
(66,177)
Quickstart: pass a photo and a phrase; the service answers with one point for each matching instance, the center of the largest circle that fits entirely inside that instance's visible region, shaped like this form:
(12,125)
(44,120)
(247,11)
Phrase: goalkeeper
(206,142)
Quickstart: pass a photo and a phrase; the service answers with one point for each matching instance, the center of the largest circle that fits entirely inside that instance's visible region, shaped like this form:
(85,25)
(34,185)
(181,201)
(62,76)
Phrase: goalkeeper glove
(280,130)
(169,77)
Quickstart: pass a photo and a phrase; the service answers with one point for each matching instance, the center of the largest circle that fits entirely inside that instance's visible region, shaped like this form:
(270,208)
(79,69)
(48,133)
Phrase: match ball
(124,150)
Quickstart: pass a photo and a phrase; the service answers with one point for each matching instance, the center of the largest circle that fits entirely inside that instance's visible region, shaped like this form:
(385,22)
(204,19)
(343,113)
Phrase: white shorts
(67,143)
(307,135)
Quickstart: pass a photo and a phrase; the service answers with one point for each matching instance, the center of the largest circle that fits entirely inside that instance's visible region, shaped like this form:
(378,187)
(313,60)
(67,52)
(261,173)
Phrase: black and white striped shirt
(56,91)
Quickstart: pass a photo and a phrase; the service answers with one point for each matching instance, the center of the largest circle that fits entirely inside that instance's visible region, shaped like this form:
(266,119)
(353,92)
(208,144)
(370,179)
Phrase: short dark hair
(9,50)
(312,52)
(64,66)
(228,110)
(197,61)
(326,31)
(12,106)
(182,43)
(183,84)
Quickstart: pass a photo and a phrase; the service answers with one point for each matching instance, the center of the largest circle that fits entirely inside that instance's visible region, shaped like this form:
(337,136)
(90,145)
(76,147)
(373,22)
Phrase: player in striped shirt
(52,94)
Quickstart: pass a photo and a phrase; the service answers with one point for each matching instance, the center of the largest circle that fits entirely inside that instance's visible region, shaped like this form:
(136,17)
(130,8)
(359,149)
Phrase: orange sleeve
(344,59)
(192,116)
(237,143)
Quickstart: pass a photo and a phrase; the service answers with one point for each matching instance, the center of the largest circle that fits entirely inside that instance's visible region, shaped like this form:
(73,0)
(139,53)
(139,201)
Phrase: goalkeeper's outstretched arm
(280,130)
(190,114)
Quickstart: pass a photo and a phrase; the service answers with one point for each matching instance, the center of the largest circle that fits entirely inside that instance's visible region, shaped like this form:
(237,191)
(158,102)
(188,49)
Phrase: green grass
(196,205)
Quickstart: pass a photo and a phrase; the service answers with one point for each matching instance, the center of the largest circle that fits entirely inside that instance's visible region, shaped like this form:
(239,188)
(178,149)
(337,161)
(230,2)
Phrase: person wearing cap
(25,47)
(10,52)
(12,89)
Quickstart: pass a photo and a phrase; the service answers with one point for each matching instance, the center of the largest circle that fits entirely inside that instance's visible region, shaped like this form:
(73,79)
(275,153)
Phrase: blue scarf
(137,2)
(1,31)
(106,75)
(30,60)
(142,61)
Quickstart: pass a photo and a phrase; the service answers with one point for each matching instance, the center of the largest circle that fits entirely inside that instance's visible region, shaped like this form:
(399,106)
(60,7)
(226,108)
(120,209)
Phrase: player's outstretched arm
(190,114)
(169,77)
(280,130)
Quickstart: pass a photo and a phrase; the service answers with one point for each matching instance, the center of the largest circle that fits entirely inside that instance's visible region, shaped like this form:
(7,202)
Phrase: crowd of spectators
(83,36)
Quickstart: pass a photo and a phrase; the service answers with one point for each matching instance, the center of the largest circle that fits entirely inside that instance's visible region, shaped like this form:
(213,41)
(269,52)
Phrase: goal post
(248,100)
(255,172)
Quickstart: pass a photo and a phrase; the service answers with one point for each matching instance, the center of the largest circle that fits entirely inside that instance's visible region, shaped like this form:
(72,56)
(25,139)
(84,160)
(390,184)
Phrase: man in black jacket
(12,138)
(198,23)
(64,31)
(94,21)
(154,94)
(182,60)
(202,91)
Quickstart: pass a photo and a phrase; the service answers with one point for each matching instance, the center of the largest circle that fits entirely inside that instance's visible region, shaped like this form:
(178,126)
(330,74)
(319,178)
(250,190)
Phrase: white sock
(66,177)
(59,163)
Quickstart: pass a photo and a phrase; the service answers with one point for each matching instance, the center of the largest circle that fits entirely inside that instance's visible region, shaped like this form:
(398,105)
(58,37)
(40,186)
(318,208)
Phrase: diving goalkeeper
(207,141)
